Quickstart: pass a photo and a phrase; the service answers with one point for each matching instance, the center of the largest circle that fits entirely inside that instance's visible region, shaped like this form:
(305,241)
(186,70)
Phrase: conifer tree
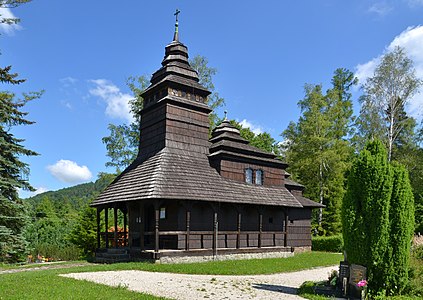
(13,173)
(401,229)
(378,219)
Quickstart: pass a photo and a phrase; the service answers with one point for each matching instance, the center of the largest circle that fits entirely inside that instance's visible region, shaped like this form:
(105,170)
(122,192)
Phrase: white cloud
(69,171)
(411,40)
(116,101)
(380,8)
(6,13)
(414,3)
(68,81)
(39,190)
(23,194)
(254,128)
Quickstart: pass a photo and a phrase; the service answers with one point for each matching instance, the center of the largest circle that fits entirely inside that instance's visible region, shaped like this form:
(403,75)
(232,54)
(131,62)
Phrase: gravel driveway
(184,287)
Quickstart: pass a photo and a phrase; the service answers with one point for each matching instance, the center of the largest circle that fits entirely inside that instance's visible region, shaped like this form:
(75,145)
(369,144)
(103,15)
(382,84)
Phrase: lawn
(416,281)
(46,284)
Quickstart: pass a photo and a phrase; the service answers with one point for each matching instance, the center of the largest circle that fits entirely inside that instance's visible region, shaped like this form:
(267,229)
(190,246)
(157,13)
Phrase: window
(270,220)
(162,213)
(249,175)
(259,177)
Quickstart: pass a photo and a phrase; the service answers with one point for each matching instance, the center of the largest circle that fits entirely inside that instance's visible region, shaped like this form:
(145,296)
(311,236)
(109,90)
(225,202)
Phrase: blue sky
(81,53)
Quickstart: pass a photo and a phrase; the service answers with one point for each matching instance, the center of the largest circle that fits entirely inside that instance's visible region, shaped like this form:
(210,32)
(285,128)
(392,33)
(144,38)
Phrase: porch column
(125,221)
(115,236)
(188,218)
(98,227)
(142,226)
(156,229)
(215,233)
(260,228)
(106,221)
(128,216)
(285,238)
(238,235)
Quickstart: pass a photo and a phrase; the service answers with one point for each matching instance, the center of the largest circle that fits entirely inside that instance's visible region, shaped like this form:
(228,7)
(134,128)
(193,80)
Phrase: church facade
(188,194)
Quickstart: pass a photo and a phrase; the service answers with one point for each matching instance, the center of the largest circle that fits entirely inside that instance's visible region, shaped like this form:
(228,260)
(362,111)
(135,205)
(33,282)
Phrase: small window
(138,220)
(270,220)
(162,213)
(259,177)
(249,175)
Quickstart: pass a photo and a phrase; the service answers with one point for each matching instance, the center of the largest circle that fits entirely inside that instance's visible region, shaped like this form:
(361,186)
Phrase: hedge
(333,243)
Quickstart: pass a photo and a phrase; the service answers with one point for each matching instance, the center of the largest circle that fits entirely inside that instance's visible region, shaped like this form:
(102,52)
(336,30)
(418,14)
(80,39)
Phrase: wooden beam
(238,235)
(285,238)
(260,228)
(215,232)
(125,221)
(142,226)
(115,236)
(98,227)
(156,228)
(106,221)
(187,236)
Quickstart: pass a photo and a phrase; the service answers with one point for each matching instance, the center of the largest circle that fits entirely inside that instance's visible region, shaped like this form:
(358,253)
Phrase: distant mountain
(75,197)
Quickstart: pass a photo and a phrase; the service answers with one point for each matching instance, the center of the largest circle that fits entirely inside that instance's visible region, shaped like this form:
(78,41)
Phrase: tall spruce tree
(378,219)
(13,171)
(13,176)
(317,149)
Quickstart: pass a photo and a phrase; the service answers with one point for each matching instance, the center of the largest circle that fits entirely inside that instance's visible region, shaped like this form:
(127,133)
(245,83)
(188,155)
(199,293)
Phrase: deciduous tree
(317,149)
(386,93)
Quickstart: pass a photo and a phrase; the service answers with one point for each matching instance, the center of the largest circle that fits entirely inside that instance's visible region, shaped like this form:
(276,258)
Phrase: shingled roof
(176,174)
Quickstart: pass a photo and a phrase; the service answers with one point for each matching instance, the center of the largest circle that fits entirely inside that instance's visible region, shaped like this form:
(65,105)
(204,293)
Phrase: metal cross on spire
(176,14)
(176,34)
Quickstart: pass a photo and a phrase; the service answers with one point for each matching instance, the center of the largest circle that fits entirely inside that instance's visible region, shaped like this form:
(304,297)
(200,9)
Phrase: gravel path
(184,287)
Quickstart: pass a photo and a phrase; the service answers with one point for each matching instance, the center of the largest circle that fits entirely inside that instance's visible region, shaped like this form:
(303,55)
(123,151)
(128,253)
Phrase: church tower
(175,112)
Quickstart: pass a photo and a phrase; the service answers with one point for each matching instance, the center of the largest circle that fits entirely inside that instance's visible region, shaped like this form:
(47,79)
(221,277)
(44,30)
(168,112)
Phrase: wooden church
(187,194)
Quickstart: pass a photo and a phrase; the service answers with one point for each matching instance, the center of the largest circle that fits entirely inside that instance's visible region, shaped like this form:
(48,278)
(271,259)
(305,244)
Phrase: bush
(418,252)
(333,243)
(54,252)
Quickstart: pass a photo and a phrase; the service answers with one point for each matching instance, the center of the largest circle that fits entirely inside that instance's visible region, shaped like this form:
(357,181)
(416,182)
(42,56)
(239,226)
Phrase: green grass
(46,284)
(307,289)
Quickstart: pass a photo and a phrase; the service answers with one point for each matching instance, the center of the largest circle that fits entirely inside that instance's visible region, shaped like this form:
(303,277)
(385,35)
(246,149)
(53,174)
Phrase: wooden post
(106,221)
(260,228)
(285,238)
(238,235)
(125,221)
(187,237)
(215,233)
(156,229)
(142,226)
(115,225)
(130,225)
(98,227)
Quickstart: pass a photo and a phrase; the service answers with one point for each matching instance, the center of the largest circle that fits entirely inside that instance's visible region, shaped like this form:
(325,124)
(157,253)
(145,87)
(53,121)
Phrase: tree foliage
(13,171)
(386,93)
(378,219)
(84,233)
(317,151)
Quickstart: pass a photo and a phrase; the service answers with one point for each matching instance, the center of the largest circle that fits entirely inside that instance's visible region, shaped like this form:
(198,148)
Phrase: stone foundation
(205,258)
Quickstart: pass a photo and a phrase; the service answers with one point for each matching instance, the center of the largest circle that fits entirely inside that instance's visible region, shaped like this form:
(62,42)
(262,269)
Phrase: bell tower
(175,111)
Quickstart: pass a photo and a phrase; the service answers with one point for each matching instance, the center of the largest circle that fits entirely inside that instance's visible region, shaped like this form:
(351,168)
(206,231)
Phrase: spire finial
(226,115)
(176,34)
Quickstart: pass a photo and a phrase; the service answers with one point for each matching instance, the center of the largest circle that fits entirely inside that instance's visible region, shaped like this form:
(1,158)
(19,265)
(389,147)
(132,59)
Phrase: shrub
(333,243)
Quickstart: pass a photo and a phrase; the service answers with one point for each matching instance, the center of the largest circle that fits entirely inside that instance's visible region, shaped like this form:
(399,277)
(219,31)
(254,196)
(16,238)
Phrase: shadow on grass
(276,288)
